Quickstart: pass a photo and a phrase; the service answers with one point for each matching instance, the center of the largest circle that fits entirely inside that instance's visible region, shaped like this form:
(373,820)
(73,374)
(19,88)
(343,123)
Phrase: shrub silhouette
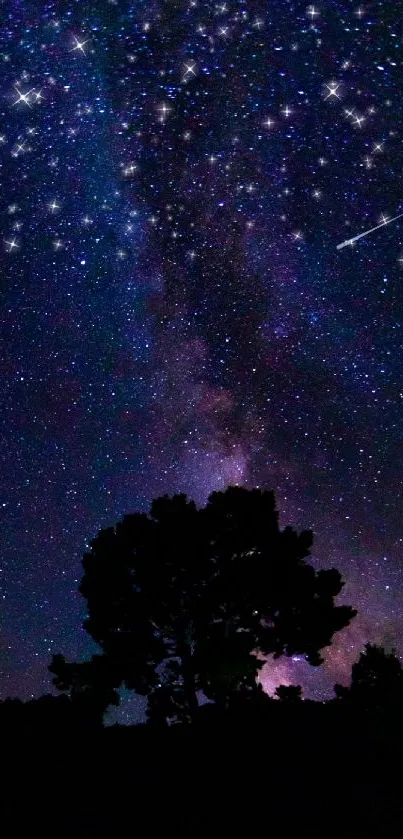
(188,599)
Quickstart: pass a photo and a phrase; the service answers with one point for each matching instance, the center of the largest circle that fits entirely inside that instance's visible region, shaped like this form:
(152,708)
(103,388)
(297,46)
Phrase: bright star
(164,110)
(188,71)
(130,169)
(12,245)
(333,88)
(312,12)
(359,121)
(79,45)
(23,97)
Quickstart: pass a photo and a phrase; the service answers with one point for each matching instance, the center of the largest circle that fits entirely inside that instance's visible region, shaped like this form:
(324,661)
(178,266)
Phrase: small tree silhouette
(200,595)
(289,693)
(376,680)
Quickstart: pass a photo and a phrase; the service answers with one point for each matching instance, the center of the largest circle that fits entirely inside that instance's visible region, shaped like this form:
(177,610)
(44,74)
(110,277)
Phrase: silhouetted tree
(48,714)
(90,684)
(186,599)
(289,693)
(376,680)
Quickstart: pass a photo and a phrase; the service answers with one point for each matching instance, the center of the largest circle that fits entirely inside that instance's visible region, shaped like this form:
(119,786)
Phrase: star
(19,148)
(333,88)
(164,110)
(24,97)
(54,206)
(130,169)
(12,245)
(312,12)
(188,71)
(79,45)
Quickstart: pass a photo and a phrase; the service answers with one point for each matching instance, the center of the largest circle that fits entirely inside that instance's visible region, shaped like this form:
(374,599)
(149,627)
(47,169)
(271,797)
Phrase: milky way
(176,316)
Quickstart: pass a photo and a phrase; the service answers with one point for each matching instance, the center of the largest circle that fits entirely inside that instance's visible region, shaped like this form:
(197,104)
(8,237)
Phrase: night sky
(175,177)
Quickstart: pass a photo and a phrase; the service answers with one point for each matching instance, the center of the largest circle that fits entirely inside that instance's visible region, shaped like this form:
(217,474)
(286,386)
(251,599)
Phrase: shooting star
(366,232)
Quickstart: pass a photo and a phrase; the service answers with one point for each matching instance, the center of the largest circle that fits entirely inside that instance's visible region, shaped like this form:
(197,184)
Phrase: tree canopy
(185,599)
(376,680)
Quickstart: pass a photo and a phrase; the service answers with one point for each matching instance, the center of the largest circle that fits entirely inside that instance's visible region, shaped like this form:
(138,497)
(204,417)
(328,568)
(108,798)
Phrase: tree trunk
(188,675)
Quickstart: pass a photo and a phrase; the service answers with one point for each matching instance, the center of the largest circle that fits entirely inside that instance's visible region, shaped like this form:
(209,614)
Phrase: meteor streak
(366,232)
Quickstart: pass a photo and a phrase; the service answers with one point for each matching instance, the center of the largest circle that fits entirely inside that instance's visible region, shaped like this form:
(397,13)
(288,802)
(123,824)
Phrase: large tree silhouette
(185,599)
(376,680)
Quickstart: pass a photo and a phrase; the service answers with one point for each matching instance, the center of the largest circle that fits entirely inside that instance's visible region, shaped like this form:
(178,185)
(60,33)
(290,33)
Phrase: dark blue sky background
(175,313)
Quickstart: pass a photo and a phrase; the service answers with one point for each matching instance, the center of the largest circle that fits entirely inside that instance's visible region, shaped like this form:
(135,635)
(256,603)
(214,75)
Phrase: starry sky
(175,177)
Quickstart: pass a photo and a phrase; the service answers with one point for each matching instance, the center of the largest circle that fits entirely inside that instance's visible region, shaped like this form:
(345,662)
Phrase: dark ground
(312,771)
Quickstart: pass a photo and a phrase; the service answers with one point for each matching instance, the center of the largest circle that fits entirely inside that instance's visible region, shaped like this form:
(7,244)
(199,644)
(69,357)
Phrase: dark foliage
(58,714)
(376,680)
(183,600)
(289,693)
